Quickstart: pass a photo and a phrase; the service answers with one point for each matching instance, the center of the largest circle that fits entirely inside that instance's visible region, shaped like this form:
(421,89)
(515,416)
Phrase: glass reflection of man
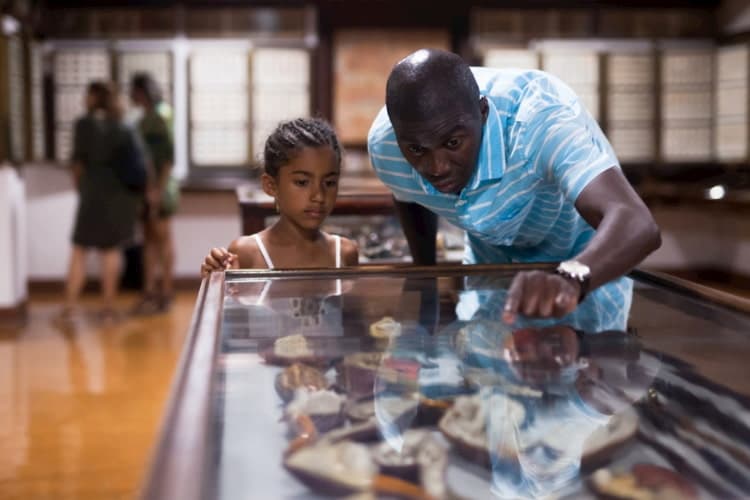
(483,298)
(578,397)
(543,387)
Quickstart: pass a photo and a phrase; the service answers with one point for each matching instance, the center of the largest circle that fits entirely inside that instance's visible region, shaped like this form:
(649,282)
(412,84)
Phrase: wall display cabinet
(37,111)
(362,61)
(631,106)
(13,119)
(510,58)
(238,96)
(280,90)
(731,103)
(686,104)
(16,99)
(579,68)
(73,70)
(219,107)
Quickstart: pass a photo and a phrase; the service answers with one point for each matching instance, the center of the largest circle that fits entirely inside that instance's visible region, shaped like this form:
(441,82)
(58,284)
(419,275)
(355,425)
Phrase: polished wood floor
(81,404)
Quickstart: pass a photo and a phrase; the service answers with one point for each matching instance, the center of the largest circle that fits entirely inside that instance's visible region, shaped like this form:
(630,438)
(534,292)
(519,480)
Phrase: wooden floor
(80,406)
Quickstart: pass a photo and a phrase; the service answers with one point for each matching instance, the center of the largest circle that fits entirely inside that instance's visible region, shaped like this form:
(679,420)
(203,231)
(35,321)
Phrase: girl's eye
(453,143)
(332,183)
(415,149)
(301,182)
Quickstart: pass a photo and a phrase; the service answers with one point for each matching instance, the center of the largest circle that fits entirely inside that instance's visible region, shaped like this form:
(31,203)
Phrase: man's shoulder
(381,130)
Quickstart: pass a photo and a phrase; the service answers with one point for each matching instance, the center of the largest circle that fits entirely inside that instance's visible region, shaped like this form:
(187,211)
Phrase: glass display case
(404,382)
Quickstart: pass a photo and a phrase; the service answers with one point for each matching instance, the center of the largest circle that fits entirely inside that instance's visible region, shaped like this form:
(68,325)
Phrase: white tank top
(269,262)
(310,316)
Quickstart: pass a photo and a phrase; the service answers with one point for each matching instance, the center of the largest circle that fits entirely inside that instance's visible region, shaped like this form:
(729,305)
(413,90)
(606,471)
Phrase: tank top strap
(263,251)
(337,238)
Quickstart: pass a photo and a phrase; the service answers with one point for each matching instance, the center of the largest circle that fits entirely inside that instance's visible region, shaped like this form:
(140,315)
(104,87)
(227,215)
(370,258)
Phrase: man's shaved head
(429,81)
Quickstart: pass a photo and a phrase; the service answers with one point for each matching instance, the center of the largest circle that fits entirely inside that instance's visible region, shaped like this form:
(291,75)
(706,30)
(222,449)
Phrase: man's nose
(439,166)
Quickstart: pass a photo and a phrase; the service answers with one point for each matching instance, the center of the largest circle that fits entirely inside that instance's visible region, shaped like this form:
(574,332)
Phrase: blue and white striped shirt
(540,148)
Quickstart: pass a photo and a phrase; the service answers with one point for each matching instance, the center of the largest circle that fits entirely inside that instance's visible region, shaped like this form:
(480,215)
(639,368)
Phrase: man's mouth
(444,184)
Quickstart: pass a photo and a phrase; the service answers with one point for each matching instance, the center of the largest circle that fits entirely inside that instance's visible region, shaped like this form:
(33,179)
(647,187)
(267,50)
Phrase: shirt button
(460,203)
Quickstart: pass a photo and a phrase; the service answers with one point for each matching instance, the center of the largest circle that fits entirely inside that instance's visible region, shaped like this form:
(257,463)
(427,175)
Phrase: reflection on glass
(279,308)
(528,404)
(483,297)
(445,398)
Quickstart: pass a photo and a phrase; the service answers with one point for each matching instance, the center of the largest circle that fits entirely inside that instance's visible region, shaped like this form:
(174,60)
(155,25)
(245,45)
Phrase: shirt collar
(491,159)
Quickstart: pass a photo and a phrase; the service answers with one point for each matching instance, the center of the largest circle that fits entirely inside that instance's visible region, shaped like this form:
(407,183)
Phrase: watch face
(575,268)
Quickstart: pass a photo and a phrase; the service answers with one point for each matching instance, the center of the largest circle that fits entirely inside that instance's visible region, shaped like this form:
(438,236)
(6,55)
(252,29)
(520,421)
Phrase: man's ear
(268,184)
(484,108)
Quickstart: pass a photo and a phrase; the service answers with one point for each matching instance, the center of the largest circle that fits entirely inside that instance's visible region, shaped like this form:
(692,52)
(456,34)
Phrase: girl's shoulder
(248,251)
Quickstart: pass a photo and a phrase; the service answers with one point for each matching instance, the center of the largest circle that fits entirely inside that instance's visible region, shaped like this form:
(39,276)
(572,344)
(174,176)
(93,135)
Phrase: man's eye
(453,143)
(416,150)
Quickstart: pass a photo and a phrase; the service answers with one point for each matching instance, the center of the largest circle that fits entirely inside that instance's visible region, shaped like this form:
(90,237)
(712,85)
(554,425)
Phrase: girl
(302,163)
(162,195)
(107,208)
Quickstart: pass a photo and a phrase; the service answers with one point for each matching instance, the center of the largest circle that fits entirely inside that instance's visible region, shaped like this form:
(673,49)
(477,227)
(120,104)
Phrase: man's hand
(219,259)
(540,294)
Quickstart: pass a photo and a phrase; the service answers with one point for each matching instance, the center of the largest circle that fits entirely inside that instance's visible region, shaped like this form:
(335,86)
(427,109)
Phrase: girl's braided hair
(292,136)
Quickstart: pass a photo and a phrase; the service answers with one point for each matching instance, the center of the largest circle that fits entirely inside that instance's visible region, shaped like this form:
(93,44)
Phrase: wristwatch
(577,271)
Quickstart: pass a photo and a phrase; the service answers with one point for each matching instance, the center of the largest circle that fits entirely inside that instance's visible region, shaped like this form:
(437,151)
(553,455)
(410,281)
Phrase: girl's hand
(219,259)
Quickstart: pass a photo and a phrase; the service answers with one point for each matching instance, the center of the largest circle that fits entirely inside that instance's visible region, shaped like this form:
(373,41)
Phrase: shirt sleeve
(564,143)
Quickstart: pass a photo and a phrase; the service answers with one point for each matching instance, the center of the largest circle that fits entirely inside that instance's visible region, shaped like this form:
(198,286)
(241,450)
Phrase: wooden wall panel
(362,61)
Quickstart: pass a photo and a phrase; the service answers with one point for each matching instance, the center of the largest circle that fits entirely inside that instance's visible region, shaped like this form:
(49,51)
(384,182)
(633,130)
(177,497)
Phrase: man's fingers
(547,303)
(566,299)
(513,300)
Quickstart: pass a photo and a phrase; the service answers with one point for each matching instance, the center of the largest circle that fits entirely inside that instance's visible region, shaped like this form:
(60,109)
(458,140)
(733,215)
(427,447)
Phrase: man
(513,158)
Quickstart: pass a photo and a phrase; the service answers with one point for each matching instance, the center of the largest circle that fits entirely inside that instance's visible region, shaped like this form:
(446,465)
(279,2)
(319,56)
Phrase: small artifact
(385,329)
(297,376)
(324,408)
(643,482)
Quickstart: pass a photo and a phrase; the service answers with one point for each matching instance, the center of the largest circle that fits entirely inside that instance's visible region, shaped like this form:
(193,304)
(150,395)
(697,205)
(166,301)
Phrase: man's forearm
(623,239)
(420,228)
(625,229)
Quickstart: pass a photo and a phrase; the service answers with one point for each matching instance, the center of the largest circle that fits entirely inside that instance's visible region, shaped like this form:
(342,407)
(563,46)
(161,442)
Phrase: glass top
(386,385)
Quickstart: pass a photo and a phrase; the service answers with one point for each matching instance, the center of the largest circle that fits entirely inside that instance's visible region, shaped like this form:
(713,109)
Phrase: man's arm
(420,227)
(625,229)
(625,234)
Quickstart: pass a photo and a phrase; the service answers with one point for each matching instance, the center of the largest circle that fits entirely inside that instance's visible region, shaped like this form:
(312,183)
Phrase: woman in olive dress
(162,194)
(107,208)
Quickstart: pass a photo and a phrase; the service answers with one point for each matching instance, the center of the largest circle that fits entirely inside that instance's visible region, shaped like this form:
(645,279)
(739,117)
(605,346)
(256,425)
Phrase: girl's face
(306,187)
